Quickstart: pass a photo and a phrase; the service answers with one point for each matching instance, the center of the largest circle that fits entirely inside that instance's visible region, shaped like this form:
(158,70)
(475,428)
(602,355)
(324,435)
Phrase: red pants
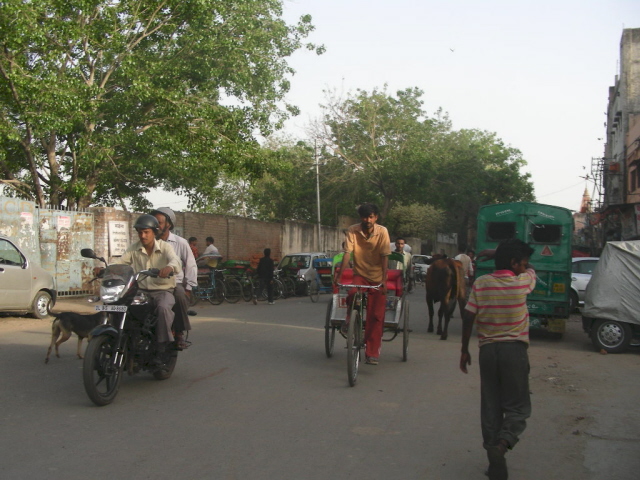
(376,306)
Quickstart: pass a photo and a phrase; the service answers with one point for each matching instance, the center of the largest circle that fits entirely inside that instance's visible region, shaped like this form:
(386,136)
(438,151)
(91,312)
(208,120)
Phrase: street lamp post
(317,163)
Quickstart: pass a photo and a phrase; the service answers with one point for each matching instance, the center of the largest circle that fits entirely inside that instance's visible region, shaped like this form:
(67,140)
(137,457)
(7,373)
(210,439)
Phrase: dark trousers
(268,283)
(505,402)
(181,321)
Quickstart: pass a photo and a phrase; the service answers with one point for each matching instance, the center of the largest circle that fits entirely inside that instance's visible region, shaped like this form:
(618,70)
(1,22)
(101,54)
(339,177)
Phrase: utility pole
(317,164)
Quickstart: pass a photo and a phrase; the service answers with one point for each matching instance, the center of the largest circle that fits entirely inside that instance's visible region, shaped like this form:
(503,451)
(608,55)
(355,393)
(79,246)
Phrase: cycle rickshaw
(396,318)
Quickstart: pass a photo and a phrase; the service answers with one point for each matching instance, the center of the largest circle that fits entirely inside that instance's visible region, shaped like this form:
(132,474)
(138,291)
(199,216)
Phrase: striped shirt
(499,301)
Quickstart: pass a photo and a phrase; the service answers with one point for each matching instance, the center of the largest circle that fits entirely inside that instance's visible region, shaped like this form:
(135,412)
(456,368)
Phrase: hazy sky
(536,73)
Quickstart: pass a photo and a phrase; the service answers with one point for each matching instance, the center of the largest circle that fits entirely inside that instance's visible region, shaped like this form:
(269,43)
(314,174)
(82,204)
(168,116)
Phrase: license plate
(111,308)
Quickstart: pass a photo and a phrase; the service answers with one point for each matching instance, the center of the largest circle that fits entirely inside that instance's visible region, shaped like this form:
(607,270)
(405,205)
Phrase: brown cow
(444,284)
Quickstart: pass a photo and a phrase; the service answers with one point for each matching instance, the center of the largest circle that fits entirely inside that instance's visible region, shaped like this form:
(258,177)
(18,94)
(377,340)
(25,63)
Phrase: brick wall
(236,238)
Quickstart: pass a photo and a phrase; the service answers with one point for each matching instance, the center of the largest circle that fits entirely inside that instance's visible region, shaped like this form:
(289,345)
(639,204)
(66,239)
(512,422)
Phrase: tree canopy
(102,100)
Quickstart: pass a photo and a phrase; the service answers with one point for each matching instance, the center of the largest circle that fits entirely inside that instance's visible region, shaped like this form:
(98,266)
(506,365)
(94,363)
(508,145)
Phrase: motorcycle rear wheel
(100,376)
(167,369)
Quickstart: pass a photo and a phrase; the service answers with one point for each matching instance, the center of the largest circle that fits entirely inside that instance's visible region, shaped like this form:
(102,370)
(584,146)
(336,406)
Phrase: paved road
(256,398)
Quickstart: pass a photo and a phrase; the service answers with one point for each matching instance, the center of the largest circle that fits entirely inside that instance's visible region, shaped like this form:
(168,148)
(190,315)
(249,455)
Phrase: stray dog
(67,323)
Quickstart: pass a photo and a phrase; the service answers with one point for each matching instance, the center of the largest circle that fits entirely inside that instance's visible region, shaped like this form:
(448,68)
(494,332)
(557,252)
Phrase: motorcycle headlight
(111,293)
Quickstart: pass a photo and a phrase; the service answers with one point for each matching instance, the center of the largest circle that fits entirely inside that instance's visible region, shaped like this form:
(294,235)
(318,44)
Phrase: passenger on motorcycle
(151,253)
(185,280)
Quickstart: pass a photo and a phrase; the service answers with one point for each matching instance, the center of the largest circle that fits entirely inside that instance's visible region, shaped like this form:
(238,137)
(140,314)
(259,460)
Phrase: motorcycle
(126,340)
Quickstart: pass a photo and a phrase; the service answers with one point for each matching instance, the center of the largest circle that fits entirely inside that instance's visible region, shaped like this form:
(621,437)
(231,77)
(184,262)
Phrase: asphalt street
(255,397)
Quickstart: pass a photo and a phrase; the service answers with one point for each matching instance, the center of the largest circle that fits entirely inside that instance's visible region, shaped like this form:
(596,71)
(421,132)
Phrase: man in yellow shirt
(368,245)
(151,253)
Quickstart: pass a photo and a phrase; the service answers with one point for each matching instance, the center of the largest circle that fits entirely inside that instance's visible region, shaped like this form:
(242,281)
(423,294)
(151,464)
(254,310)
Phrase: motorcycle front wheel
(100,374)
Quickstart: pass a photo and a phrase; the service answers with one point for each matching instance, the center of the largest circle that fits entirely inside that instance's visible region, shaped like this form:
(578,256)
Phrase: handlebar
(373,287)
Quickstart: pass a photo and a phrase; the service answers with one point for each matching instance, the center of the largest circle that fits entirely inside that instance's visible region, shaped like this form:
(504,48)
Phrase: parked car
(612,301)
(301,263)
(24,286)
(581,270)
(420,266)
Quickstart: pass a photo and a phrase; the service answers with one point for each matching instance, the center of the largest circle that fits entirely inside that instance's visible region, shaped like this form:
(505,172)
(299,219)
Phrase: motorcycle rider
(185,280)
(148,253)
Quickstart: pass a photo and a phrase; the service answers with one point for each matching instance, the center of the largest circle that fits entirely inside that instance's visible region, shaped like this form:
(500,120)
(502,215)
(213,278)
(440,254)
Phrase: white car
(581,271)
(300,264)
(24,286)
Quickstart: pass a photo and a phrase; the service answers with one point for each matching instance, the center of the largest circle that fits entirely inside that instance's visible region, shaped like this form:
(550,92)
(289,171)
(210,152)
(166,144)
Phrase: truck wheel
(611,336)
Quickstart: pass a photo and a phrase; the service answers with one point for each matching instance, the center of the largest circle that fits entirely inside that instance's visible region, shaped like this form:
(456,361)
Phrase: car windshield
(419,259)
(296,261)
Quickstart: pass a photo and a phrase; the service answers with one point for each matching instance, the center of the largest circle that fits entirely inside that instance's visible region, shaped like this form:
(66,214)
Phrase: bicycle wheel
(233,290)
(194,298)
(354,344)
(289,286)
(216,293)
(329,332)
(278,289)
(405,330)
(302,288)
(314,291)
(247,289)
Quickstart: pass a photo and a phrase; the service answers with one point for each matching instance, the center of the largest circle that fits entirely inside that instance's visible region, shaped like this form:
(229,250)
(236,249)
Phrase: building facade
(619,214)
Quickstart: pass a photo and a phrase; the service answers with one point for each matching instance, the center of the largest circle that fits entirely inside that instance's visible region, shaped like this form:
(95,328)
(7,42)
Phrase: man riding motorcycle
(148,253)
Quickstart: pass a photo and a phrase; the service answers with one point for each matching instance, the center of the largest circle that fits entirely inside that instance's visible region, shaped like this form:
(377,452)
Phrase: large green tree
(102,100)
(385,144)
(388,147)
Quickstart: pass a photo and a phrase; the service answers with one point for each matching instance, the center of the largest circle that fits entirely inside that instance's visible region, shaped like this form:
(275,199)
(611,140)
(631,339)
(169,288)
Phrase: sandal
(372,361)
(181,343)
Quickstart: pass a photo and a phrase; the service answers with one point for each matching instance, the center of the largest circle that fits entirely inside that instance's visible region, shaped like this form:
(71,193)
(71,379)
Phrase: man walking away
(498,306)
(265,275)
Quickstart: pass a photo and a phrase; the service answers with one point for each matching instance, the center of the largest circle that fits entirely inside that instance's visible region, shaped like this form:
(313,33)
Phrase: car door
(581,274)
(15,280)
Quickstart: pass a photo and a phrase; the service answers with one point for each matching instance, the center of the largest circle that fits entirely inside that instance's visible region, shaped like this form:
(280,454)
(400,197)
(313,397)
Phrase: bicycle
(288,285)
(261,294)
(396,319)
(355,329)
(207,289)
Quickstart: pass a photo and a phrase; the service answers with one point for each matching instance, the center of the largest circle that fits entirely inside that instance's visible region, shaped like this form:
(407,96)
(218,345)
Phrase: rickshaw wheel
(329,332)
(405,330)
(314,291)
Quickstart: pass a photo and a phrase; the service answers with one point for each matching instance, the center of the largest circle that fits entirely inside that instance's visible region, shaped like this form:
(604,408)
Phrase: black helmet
(169,215)
(147,221)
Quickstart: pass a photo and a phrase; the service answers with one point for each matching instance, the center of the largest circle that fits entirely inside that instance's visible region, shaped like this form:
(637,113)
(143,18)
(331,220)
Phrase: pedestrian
(211,248)
(406,264)
(467,267)
(264,271)
(186,280)
(193,244)
(498,307)
(368,246)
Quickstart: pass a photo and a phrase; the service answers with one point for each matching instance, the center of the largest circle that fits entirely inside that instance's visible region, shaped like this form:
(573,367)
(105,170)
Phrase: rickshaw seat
(394,282)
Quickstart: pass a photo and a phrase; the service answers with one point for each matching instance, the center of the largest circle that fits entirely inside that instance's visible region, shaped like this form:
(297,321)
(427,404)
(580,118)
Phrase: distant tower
(585,206)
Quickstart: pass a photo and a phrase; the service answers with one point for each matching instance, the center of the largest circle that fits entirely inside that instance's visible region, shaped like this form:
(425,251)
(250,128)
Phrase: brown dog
(67,323)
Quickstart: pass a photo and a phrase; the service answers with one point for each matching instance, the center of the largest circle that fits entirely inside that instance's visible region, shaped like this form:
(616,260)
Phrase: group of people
(496,305)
